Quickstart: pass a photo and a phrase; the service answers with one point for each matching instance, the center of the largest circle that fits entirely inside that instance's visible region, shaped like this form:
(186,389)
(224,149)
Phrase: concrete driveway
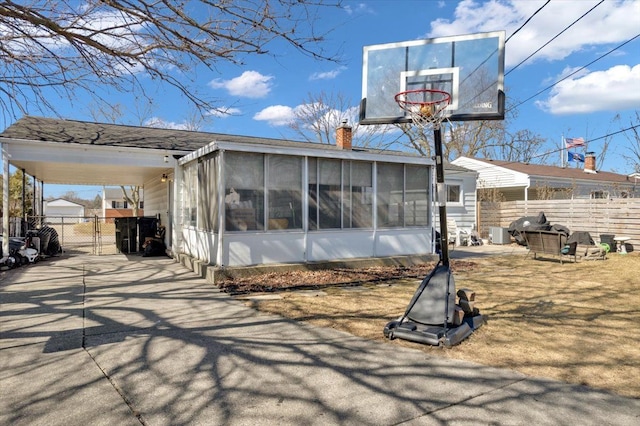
(109,340)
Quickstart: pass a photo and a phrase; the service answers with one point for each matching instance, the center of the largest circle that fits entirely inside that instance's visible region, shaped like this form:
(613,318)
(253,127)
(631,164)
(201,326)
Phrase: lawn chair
(581,244)
(457,236)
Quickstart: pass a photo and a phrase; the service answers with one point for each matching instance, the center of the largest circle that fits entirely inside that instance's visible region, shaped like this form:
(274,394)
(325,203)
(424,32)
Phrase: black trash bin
(126,234)
(609,239)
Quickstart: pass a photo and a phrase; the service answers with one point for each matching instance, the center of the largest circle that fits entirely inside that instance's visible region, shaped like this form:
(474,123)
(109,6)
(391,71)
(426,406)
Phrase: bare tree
(632,156)
(321,113)
(115,113)
(416,139)
(318,117)
(132,197)
(523,146)
(487,139)
(62,47)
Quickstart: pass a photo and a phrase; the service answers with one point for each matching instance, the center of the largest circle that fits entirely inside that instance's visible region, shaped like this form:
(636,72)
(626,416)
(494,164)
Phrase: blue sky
(261,95)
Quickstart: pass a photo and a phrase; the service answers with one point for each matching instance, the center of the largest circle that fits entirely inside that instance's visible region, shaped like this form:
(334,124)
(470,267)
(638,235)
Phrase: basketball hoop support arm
(442,205)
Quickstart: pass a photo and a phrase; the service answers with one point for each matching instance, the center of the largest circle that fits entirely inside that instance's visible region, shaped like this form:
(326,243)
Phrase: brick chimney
(590,162)
(343,136)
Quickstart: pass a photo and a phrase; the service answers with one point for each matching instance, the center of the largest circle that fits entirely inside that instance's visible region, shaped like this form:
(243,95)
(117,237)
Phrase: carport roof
(101,134)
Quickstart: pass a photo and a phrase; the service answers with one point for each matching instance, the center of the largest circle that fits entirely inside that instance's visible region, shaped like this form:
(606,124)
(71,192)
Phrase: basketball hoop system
(425,106)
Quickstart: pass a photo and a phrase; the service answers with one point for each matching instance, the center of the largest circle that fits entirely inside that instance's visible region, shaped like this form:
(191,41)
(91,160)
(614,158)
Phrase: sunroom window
(284,189)
(358,199)
(340,194)
(416,206)
(244,192)
(402,195)
(190,194)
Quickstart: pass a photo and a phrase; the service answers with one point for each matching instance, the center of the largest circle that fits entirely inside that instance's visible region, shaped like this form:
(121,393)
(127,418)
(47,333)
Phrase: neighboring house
(229,200)
(114,204)
(510,181)
(61,210)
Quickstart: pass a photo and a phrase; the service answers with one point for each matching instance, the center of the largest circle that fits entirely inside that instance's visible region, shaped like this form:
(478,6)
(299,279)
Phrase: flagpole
(562,154)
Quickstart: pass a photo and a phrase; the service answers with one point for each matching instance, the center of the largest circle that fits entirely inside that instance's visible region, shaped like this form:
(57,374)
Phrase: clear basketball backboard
(468,67)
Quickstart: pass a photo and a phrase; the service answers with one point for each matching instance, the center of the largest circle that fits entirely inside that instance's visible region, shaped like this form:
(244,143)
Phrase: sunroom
(255,204)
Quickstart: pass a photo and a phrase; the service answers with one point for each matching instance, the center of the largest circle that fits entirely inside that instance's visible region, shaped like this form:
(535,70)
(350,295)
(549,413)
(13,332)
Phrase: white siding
(401,242)
(464,213)
(243,249)
(156,203)
(493,176)
(156,199)
(339,244)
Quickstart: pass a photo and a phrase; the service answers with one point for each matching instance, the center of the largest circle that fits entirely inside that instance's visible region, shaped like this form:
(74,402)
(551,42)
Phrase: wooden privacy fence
(620,216)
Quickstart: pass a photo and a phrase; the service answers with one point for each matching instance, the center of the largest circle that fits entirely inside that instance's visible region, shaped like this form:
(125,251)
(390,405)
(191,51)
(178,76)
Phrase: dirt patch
(296,280)
(576,322)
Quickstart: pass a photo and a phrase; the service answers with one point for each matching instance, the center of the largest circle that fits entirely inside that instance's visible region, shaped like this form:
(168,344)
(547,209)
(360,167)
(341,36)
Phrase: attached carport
(54,151)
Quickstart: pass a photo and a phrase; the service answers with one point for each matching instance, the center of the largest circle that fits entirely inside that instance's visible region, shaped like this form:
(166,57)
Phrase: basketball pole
(441,195)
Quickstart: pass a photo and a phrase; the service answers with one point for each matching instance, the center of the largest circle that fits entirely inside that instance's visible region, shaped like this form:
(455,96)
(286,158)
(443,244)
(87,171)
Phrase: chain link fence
(77,235)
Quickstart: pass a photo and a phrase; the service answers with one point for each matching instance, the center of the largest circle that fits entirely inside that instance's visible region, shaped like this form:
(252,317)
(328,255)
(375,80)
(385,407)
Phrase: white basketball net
(425,114)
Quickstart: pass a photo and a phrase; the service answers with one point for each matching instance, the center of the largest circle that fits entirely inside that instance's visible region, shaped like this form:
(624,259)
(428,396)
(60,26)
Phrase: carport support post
(5,202)
(24,197)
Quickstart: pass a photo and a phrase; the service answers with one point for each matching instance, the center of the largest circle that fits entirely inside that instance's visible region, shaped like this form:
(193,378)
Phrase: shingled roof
(82,132)
(540,170)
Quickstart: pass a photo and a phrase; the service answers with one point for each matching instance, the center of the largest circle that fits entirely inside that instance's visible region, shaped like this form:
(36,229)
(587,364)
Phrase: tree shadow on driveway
(111,341)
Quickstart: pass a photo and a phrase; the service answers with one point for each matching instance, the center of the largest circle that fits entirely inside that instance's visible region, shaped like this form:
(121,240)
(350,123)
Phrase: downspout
(526,198)
(41,201)
(5,202)
(34,205)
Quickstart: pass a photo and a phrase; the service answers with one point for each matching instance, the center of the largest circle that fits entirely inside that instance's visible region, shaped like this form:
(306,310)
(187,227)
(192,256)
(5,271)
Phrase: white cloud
(251,84)
(281,115)
(610,22)
(159,123)
(224,112)
(327,75)
(359,8)
(276,115)
(614,89)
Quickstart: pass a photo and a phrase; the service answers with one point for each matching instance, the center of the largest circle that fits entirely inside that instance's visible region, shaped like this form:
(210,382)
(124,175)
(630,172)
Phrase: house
(460,183)
(115,204)
(511,181)
(230,200)
(61,210)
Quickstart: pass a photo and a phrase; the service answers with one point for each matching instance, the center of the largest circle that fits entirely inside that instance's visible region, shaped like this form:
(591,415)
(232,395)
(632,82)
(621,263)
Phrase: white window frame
(459,184)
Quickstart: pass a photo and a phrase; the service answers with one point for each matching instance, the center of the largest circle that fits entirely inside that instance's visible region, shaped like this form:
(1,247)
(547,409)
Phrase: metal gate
(77,235)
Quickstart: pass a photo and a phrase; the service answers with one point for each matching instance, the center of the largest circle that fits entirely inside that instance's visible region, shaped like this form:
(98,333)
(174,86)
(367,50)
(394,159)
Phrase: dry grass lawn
(576,322)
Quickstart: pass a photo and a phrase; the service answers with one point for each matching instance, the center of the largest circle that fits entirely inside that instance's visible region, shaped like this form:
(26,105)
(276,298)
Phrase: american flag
(574,142)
